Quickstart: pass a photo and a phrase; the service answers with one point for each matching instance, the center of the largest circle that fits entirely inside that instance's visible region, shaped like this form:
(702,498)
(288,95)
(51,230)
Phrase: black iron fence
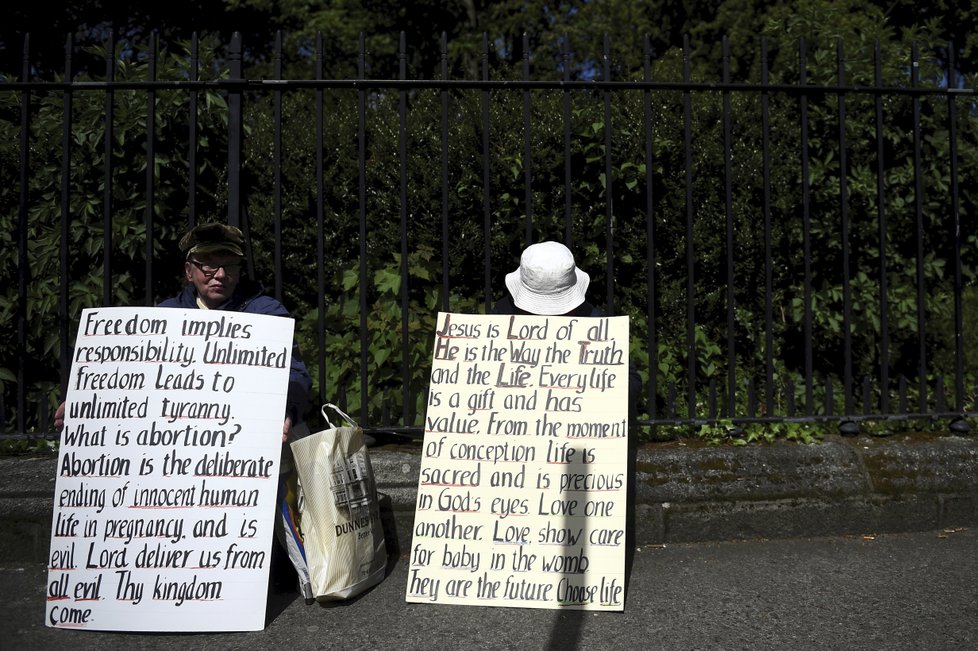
(796,246)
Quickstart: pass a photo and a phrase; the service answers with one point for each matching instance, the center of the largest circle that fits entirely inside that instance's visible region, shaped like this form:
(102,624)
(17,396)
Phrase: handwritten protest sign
(521,497)
(168,470)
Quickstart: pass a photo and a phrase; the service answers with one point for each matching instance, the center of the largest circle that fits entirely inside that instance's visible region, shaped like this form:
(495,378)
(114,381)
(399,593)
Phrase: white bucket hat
(547,281)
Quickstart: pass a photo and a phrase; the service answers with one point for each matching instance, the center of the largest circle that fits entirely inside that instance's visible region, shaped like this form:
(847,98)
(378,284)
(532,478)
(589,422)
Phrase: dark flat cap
(212,237)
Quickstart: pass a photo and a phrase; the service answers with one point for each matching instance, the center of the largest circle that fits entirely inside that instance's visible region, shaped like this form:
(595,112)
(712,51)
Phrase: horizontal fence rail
(796,248)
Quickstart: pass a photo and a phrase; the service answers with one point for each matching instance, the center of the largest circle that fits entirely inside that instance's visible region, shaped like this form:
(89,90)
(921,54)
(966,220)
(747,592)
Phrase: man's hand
(286,427)
(59,418)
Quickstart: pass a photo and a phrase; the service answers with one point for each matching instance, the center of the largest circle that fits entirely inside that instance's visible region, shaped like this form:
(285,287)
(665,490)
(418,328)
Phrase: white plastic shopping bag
(340,514)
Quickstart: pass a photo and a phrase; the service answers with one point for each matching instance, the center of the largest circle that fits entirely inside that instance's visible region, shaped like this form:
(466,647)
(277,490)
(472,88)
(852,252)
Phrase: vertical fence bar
(277,163)
(768,263)
(362,202)
(568,167)
(751,398)
(650,227)
(952,136)
(150,167)
(881,217)
(405,273)
(107,176)
(23,264)
(67,101)
(806,231)
(486,184)
(609,176)
(321,226)
(527,144)
(194,74)
(690,249)
(235,131)
(919,237)
(728,203)
(844,213)
(445,286)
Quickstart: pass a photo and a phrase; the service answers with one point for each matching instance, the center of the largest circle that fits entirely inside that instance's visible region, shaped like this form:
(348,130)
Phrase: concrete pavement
(888,591)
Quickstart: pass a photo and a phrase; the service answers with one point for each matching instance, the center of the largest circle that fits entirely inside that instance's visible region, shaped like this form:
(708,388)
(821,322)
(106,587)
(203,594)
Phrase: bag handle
(339,411)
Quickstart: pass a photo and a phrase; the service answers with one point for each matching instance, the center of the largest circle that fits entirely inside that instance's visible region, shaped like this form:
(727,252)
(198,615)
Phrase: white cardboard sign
(168,470)
(521,498)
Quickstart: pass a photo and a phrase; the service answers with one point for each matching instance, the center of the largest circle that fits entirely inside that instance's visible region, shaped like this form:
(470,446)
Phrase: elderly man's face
(215,275)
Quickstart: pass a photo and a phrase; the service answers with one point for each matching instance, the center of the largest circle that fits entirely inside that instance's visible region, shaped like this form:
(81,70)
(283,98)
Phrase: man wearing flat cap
(213,260)
(213,255)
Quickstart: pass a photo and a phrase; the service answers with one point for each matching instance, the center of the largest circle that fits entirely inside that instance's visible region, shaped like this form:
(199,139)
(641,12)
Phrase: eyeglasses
(210,269)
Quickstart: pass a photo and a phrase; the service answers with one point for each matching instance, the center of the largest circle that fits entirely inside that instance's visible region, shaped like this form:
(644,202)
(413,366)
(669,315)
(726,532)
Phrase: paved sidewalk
(891,591)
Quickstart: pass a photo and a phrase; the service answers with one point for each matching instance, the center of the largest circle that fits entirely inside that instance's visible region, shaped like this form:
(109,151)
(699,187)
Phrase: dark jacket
(249,297)
(505,305)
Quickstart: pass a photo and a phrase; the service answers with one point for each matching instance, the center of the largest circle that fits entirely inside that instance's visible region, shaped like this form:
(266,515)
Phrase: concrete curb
(683,492)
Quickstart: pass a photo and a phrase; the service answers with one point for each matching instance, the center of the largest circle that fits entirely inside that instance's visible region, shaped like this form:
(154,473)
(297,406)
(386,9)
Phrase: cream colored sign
(521,498)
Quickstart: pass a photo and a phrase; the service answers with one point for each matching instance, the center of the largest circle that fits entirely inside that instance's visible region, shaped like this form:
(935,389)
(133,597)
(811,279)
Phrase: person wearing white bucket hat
(549,283)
